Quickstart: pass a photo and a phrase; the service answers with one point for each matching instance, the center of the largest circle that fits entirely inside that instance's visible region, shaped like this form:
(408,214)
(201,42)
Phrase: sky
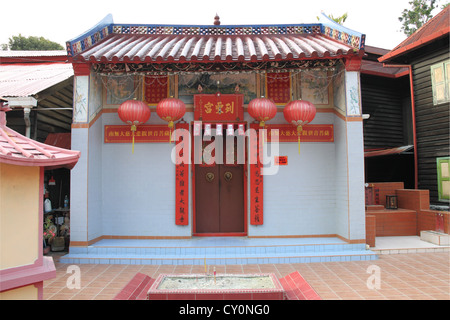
(61,21)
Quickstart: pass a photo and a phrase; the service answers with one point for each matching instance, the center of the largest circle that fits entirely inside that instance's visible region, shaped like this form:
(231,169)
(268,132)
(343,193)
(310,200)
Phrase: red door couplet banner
(256,179)
(182,179)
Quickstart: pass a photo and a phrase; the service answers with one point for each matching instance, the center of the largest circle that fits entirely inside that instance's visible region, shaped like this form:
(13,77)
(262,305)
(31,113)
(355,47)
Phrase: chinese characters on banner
(278,87)
(310,133)
(256,180)
(181,181)
(144,133)
(219,107)
(156,88)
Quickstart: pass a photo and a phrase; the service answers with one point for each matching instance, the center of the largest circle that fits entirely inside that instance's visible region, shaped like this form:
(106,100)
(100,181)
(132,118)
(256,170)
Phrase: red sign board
(144,133)
(256,181)
(181,181)
(310,133)
(219,107)
(281,161)
(279,87)
(156,88)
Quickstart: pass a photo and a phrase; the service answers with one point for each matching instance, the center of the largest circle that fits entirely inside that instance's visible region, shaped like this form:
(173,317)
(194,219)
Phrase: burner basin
(219,287)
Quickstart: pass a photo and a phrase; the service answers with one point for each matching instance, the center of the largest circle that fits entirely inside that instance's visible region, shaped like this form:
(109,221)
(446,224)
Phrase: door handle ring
(228,176)
(209,176)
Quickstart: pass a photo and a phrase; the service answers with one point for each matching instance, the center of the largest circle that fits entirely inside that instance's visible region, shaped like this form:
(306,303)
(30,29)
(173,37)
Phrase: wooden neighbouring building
(388,135)
(426,53)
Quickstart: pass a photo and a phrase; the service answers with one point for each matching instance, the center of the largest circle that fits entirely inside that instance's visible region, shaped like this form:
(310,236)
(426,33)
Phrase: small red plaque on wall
(281,161)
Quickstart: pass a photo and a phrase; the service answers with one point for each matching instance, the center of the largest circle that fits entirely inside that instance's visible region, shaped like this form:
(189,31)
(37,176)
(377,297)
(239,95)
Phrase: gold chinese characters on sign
(219,107)
(143,133)
(310,133)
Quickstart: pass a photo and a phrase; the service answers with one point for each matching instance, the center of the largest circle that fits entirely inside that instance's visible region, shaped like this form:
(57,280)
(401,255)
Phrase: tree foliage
(417,15)
(340,19)
(32,43)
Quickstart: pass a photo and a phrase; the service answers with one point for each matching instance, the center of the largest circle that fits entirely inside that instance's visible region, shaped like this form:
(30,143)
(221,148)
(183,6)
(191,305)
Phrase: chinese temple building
(222,170)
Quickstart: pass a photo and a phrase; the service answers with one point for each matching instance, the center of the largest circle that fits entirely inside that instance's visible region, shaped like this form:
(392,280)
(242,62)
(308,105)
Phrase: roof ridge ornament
(217,20)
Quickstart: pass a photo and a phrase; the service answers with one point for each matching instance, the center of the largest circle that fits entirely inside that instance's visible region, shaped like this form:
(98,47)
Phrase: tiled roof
(17,149)
(371,66)
(110,42)
(32,53)
(22,80)
(377,69)
(212,48)
(437,27)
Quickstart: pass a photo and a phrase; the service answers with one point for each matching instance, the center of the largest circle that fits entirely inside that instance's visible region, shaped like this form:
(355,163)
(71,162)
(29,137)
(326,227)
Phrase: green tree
(32,43)
(417,15)
(340,19)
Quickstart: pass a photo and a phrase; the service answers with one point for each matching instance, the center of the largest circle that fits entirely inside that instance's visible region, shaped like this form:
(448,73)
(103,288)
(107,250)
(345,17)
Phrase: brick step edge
(136,288)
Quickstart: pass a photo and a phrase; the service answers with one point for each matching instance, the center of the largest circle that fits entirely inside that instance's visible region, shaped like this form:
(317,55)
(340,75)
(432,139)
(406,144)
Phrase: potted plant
(49,234)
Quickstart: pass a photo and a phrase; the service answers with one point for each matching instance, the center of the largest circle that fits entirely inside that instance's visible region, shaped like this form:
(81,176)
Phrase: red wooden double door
(219,199)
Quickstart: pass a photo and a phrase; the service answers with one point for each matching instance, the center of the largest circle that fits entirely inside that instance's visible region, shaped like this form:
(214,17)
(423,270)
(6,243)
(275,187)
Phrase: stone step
(336,256)
(374,207)
(213,252)
(136,288)
(438,238)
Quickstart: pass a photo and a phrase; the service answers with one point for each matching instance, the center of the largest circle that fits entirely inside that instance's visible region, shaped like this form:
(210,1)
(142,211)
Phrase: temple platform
(218,251)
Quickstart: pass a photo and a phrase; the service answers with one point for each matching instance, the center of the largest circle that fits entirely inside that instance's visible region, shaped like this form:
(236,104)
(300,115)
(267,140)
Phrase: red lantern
(299,113)
(134,113)
(262,110)
(170,110)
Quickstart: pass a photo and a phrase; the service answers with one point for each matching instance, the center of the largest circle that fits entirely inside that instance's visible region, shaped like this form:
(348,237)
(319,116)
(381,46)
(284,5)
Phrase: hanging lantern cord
(133,129)
(171,130)
(299,132)
(262,125)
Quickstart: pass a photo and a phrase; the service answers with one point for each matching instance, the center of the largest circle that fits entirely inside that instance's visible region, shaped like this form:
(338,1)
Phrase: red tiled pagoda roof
(108,42)
(19,150)
(212,48)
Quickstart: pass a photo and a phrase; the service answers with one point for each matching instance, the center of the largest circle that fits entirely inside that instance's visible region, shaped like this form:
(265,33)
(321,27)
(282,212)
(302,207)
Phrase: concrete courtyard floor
(407,271)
